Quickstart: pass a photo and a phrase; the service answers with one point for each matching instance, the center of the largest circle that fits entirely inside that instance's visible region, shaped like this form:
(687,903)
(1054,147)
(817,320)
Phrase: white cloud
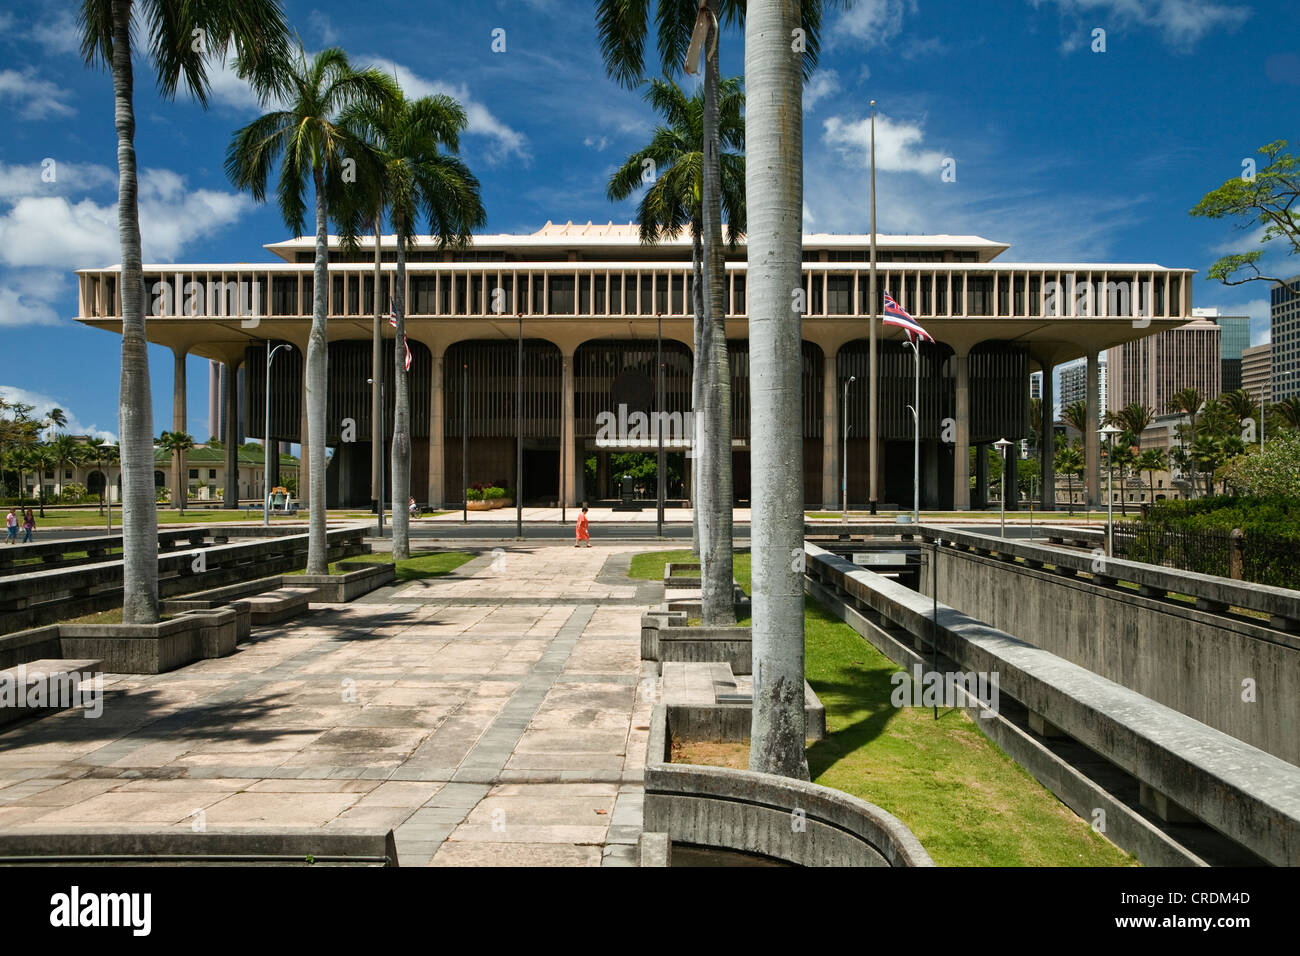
(898,144)
(57,32)
(34,98)
(1182,23)
(824,83)
(324,27)
(43,403)
(25,297)
(598,143)
(53,231)
(19,180)
(873,22)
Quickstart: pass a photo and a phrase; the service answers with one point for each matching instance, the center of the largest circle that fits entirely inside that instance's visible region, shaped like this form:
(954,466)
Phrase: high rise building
(1152,370)
(1234,341)
(1284,309)
(1257,372)
(1074,383)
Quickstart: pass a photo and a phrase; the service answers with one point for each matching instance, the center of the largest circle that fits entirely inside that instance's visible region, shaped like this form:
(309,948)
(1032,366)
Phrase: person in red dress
(582,530)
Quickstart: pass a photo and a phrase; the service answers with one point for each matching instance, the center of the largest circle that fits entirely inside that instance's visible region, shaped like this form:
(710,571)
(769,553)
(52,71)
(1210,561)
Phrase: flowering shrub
(1273,471)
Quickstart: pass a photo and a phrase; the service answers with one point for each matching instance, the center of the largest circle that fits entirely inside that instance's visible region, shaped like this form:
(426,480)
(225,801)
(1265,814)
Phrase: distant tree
(66,450)
(1273,470)
(178,443)
(1266,200)
(1286,413)
(102,455)
(1151,461)
(1069,462)
(1076,416)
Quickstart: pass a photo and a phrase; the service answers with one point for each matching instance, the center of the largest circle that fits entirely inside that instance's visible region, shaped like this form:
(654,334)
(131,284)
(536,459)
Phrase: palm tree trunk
(700,493)
(139,503)
(401,410)
(717,601)
(774,195)
(317,381)
(377,370)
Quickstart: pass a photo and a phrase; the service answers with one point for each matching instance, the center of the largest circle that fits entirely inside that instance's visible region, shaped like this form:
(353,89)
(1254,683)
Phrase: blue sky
(1066,153)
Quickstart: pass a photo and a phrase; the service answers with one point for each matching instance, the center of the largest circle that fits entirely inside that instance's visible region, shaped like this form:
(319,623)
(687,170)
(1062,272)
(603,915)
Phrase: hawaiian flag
(392,320)
(896,315)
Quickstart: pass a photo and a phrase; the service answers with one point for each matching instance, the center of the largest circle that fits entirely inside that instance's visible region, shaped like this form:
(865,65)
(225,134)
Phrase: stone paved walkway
(489,717)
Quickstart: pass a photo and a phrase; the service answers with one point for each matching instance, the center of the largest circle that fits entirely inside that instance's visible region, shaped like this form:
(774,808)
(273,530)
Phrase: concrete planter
(357,578)
(674,579)
(752,813)
(478,506)
(665,637)
(153,648)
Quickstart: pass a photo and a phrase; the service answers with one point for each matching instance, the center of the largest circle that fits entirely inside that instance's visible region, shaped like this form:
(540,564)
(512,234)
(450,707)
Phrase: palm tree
(1069,461)
(1076,416)
(178,443)
(314,147)
(1134,418)
(66,451)
(56,418)
(1036,418)
(42,457)
(183,40)
(672,203)
(1286,413)
(1151,461)
(413,177)
(102,455)
(21,460)
(1241,404)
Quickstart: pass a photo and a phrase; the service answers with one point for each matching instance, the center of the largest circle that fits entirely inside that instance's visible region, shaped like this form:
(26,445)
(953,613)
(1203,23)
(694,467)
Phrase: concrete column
(437,453)
(304,450)
(832,469)
(179,475)
(568,439)
(232,434)
(981,499)
(1047,443)
(1091,440)
(961,435)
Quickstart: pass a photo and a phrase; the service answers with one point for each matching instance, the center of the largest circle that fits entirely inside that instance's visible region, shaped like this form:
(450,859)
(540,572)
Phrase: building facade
(588,306)
(1074,383)
(1284,311)
(1257,372)
(1152,370)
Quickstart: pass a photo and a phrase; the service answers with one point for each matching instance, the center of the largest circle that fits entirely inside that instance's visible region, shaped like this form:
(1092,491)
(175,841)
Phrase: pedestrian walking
(11,525)
(583,532)
(29,526)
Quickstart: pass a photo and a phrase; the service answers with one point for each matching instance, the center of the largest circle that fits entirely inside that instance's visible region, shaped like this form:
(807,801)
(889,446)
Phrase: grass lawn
(650,566)
(91,518)
(967,802)
(427,564)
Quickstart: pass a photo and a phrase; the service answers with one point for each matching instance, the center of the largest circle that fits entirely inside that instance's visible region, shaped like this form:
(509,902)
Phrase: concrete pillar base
(1162,806)
(1043,727)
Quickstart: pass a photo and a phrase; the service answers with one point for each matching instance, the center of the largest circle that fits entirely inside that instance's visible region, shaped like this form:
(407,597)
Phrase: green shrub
(494,493)
(73,493)
(473,494)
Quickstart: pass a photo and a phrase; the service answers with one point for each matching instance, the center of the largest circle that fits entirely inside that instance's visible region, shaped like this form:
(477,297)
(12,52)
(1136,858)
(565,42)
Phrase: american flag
(896,315)
(392,320)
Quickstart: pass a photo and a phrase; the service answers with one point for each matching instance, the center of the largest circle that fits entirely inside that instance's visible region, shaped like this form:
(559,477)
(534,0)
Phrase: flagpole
(873,365)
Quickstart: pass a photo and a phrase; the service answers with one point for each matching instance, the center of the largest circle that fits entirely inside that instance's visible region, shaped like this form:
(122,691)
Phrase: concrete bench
(48,685)
(133,846)
(259,602)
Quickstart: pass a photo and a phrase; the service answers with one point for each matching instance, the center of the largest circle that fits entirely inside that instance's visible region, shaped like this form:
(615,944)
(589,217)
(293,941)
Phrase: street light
(380,509)
(1109,433)
(266,436)
(1002,445)
(108,486)
(844,482)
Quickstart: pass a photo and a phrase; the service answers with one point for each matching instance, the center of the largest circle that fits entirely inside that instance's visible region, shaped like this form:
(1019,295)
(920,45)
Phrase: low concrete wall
(1250,796)
(358,578)
(152,648)
(777,817)
(24,646)
(1191,660)
(134,845)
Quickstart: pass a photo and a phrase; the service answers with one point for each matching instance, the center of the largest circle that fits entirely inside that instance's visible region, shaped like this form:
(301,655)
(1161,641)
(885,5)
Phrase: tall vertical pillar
(1011,479)
(437,430)
(179,475)
(831,467)
(1091,440)
(304,449)
(568,440)
(961,434)
(1047,441)
(981,500)
(232,434)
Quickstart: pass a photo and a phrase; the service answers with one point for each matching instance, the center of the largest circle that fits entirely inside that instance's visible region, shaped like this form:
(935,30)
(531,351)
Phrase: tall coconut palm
(1069,462)
(183,40)
(1286,413)
(1134,418)
(1241,404)
(673,203)
(314,147)
(1076,416)
(413,178)
(42,457)
(1151,461)
(103,455)
(178,443)
(66,451)
(55,419)
(22,461)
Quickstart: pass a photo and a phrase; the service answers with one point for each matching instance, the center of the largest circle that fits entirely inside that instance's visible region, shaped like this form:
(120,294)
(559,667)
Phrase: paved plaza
(489,717)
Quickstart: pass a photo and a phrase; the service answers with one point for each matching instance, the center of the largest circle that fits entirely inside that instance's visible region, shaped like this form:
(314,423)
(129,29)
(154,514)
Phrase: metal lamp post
(844,481)
(1002,445)
(382,430)
(915,345)
(1108,433)
(108,486)
(266,436)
